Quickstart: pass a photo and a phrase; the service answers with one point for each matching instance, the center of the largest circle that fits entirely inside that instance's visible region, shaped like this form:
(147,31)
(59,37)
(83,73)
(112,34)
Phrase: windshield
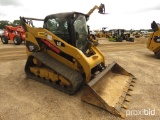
(82,32)
(58,27)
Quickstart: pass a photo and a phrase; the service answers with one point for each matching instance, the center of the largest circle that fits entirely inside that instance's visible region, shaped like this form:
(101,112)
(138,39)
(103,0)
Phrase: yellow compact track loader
(153,43)
(62,56)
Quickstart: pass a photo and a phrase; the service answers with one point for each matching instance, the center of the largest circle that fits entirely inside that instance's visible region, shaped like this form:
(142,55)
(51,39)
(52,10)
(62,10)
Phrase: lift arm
(101,9)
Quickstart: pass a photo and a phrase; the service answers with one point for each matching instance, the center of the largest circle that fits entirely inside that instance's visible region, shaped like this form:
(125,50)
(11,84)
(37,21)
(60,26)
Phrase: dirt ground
(25,99)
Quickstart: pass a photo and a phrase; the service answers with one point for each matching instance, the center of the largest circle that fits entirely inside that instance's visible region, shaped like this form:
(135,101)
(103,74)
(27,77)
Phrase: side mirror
(154,26)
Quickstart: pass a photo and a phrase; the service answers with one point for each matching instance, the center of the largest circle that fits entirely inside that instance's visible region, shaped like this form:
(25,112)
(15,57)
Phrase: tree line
(3,23)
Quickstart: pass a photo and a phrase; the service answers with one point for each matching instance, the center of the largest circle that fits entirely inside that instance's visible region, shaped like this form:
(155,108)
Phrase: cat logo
(59,43)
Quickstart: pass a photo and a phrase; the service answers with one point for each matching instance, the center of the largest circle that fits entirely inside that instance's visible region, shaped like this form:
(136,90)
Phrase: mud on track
(25,99)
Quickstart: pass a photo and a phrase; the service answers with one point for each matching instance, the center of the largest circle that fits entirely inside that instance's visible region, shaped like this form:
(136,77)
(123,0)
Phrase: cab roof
(66,15)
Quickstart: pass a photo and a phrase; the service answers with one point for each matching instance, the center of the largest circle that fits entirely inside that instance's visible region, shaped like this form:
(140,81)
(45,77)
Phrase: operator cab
(70,27)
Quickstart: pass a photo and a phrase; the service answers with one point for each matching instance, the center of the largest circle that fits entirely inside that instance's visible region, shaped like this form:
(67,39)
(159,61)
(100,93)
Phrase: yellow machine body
(66,64)
(153,43)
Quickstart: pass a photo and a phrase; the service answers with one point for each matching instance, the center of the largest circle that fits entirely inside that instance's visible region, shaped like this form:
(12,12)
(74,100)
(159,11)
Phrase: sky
(122,14)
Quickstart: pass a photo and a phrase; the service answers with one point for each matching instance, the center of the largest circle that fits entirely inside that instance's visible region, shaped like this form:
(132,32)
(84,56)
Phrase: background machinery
(137,34)
(153,43)
(15,34)
(61,55)
(93,37)
(118,35)
(101,10)
(103,33)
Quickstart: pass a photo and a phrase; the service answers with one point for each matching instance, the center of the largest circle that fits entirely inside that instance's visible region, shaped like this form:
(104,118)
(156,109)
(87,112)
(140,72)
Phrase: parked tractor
(118,35)
(15,34)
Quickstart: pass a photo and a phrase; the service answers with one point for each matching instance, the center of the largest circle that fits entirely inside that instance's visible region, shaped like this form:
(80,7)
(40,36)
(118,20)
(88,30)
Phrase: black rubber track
(73,76)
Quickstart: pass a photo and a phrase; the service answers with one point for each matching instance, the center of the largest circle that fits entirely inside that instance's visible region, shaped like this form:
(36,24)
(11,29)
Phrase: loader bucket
(108,90)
